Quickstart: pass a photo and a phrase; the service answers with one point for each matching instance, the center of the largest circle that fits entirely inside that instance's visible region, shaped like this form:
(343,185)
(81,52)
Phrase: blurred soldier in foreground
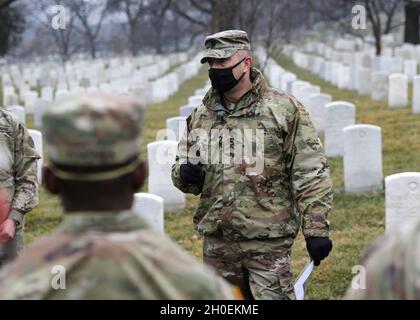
(18,183)
(249,219)
(391,268)
(102,250)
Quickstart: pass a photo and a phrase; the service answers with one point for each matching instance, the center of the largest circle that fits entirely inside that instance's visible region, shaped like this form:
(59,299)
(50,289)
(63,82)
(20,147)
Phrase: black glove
(318,248)
(192,173)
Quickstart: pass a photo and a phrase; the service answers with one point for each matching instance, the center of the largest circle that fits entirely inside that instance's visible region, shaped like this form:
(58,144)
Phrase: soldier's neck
(239,90)
(102,203)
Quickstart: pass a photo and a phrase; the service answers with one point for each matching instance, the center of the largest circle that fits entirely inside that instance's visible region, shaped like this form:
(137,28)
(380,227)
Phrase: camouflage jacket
(18,167)
(294,181)
(391,267)
(108,255)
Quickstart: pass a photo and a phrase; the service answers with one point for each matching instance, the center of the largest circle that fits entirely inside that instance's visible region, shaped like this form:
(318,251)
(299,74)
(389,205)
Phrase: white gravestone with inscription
(397,91)
(316,109)
(362,158)
(402,192)
(339,114)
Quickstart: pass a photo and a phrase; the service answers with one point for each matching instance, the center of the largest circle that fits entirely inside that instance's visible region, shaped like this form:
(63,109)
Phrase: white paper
(303,280)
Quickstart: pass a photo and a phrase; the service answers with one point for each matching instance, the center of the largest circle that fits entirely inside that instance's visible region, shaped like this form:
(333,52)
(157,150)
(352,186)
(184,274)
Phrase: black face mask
(223,80)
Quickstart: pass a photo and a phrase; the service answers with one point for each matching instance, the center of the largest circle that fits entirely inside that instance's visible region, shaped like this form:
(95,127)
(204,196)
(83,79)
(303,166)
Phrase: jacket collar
(246,105)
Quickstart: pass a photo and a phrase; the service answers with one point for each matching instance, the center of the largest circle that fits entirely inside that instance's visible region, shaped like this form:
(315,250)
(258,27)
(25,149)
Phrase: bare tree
(157,11)
(6,3)
(134,11)
(85,13)
(273,20)
(12,25)
(412,22)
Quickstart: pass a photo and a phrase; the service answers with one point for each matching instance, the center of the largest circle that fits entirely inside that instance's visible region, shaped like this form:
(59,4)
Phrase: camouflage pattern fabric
(93,129)
(109,255)
(224,44)
(293,185)
(260,268)
(392,267)
(18,178)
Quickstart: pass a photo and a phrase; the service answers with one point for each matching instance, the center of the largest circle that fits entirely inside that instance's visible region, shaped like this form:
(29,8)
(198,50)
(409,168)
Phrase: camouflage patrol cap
(93,130)
(224,44)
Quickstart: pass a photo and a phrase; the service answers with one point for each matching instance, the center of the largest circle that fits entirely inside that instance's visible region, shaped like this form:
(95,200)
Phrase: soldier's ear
(50,181)
(139,176)
(249,61)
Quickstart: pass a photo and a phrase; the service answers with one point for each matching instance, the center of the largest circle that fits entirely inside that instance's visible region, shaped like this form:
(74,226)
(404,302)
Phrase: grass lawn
(355,220)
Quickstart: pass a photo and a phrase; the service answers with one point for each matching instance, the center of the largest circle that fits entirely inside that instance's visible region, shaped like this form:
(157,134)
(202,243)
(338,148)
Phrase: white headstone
(362,158)
(364,81)
(397,91)
(161,156)
(297,85)
(30,98)
(339,114)
(402,192)
(150,207)
(176,127)
(410,69)
(416,94)
(185,111)
(37,138)
(354,77)
(61,93)
(344,77)
(195,101)
(379,86)
(285,79)
(304,93)
(39,109)
(47,93)
(316,109)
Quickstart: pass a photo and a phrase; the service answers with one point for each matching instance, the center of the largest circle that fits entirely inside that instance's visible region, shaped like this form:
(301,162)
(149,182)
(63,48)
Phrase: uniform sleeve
(184,145)
(309,172)
(25,169)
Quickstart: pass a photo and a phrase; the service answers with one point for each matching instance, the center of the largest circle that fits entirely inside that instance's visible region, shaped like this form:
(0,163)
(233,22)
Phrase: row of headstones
(380,82)
(157,91)
(360,145)
(77,73)
(161,155)
(162,89)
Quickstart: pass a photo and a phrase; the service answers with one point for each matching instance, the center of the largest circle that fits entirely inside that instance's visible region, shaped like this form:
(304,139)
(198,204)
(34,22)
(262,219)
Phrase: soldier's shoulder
(279,103)
(7,118)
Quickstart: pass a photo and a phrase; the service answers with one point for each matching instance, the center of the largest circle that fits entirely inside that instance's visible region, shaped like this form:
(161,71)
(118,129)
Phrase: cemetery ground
(356,220)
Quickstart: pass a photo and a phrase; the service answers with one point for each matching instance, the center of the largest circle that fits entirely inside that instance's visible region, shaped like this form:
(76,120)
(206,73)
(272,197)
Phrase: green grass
(355,220)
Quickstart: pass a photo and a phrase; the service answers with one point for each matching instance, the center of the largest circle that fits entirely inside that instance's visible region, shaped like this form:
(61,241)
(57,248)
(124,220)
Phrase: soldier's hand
(192,173)
(7,231)
(318,248)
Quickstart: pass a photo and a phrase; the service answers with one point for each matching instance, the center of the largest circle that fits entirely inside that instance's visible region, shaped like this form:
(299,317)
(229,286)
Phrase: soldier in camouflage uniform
(18,182)
(107,252)
(249,218)
(392,266)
